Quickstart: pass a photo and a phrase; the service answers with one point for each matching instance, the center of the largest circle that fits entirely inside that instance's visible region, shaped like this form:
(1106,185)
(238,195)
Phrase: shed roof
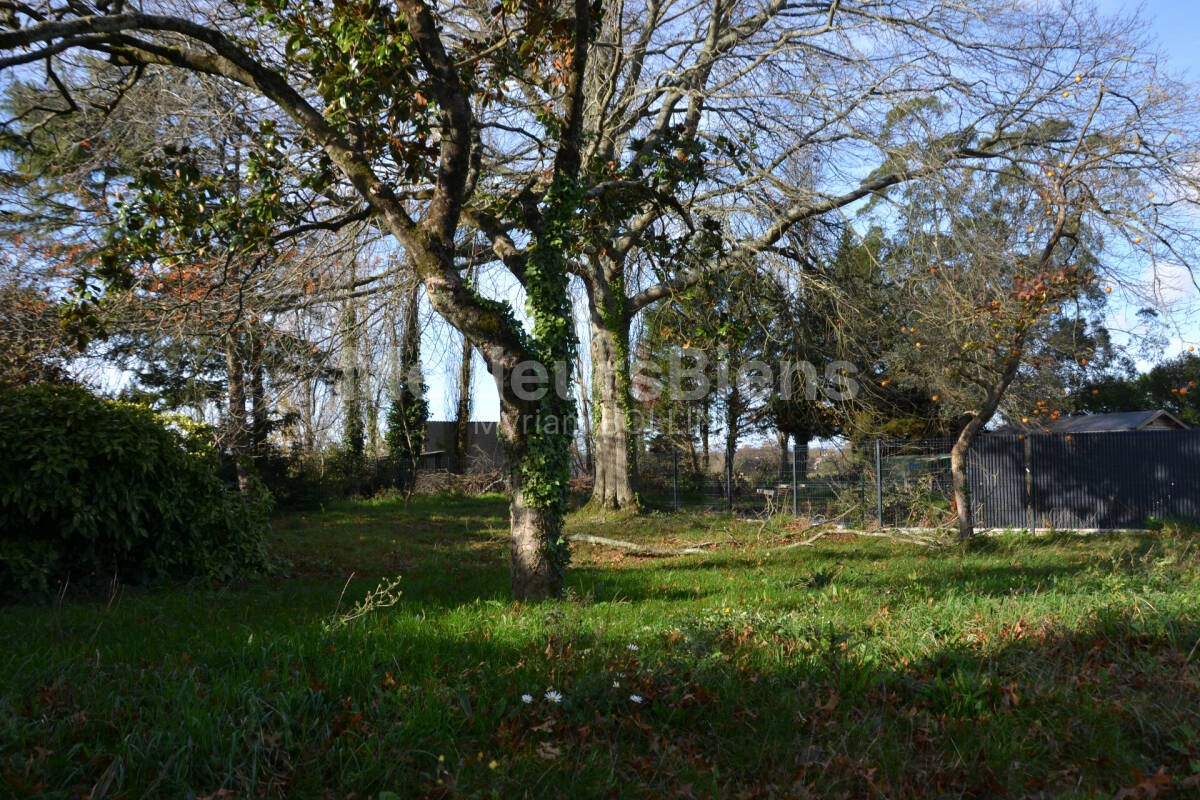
(1102,423)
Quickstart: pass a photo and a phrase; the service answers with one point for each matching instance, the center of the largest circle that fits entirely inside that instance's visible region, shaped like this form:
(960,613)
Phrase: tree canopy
(642,148)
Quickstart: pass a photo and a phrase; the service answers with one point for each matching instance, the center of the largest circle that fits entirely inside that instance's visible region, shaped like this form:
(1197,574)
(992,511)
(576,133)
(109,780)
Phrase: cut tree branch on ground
(821,531)
(905,535)
(641,549)
(635,548)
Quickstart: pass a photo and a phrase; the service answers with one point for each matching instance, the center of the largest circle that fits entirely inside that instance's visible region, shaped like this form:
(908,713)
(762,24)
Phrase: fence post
(728,481)
(795,478)
(878,485)
(675,477)
(1029,482)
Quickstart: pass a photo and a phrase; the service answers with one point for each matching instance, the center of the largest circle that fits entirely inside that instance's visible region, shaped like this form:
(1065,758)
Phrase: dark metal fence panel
(996,470)
(1093,480)
(1115,480)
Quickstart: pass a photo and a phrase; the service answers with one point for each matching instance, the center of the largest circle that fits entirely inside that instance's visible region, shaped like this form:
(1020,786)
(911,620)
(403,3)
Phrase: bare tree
(714,127)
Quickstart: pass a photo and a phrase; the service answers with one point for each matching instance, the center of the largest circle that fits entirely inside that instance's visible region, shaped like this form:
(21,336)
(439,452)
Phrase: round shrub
(92,487)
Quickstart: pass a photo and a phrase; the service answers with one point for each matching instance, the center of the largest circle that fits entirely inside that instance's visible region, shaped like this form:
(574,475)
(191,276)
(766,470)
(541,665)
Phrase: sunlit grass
(1062,666)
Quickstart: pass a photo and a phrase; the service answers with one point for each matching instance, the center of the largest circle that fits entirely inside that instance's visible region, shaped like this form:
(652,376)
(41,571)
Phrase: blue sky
(1176,23)
(1176,26)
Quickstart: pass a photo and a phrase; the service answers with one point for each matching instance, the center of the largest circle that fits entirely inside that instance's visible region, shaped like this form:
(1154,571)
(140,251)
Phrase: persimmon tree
(1019,251)
(999,294)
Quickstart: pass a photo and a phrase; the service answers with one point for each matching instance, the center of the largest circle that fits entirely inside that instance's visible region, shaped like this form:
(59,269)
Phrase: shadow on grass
(645,579)
(410,703)
(191,692)
(1044,712)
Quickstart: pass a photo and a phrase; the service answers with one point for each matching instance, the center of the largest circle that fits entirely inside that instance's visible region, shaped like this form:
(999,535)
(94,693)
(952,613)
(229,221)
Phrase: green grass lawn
(1063,666)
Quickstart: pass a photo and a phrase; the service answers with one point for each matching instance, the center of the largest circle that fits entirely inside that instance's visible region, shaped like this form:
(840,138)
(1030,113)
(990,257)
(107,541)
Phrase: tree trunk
(533,575)
(785,461)
(308,416)
(260,421)
(375,391)
(372,422)
(238,429)
(410,368)
(958,477)
(733,409)
(693,453)
(614,457)
(462,417)
(966,437)
(962,445)
(353,439)
(408,410)
(585,417)
(802,438)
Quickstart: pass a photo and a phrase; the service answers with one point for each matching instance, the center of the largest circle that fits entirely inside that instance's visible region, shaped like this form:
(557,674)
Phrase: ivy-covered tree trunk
(409,409)
(540,433)
(538,549)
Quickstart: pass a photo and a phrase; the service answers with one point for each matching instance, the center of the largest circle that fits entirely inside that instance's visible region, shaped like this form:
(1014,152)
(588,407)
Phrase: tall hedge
(93,488)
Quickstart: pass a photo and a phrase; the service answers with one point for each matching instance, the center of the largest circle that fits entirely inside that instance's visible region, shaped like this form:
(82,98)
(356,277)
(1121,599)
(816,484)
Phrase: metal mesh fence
(1082,481)
(824,483)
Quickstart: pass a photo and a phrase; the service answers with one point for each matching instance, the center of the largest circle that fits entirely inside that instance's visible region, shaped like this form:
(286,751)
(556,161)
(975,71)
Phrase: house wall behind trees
(484,450)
